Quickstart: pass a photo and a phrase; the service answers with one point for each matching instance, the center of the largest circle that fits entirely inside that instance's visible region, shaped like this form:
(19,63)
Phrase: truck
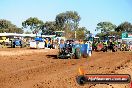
(4,41)
(38,42)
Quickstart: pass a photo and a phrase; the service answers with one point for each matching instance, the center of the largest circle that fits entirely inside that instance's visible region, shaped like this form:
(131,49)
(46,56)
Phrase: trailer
(37,43)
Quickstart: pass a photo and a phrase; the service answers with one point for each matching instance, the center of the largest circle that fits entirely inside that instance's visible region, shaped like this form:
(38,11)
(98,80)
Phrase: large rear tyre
(78,53)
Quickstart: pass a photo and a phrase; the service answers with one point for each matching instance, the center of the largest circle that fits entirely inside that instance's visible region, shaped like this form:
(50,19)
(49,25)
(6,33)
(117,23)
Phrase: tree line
(8,27)
(67,21)
(109,29)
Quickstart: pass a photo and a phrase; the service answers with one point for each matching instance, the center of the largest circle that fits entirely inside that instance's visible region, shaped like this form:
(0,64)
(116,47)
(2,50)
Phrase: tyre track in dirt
(70,82)
(14,77)
(56,73)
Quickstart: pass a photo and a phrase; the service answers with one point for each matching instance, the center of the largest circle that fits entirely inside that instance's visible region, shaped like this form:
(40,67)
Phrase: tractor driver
(62,43)
(68,45)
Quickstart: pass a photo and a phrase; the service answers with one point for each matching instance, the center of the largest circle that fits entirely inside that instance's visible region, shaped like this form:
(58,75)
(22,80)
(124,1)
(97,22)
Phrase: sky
(91,11)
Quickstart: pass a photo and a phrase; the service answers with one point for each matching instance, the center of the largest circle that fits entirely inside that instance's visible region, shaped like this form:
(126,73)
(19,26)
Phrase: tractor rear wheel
(78,53)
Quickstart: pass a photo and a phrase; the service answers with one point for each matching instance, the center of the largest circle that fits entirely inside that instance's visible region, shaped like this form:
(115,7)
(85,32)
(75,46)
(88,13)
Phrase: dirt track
(30,68)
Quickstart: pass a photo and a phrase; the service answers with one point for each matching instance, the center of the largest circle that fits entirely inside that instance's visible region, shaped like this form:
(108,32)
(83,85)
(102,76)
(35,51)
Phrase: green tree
(5,24)
(73,19)
(105,27)
(33,23)
(48,27)
(68,20)
(81,33)
(125,26)
(8,27)
(27,32)
(60,20)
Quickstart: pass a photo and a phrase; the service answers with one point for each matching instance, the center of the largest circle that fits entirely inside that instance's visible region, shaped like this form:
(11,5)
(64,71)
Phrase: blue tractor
(72,50)
(69,51)
(16,42)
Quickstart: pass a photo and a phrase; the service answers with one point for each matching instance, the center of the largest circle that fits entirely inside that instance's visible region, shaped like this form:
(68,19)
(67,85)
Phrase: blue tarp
(38,39)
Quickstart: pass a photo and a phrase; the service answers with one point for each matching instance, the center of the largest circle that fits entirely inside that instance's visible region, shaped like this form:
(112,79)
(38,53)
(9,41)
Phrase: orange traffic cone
(81,71)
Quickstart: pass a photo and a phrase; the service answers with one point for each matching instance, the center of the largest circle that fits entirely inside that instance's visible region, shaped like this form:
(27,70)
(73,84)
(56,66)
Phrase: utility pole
(75,35)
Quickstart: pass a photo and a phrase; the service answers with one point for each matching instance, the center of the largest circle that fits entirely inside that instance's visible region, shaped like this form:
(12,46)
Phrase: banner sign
(126,35)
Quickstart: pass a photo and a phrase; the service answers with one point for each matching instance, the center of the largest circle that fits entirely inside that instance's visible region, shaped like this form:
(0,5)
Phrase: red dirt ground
(39,68)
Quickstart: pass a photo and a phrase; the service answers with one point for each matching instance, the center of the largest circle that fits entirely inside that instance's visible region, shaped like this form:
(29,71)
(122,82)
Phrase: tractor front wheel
(72,56)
